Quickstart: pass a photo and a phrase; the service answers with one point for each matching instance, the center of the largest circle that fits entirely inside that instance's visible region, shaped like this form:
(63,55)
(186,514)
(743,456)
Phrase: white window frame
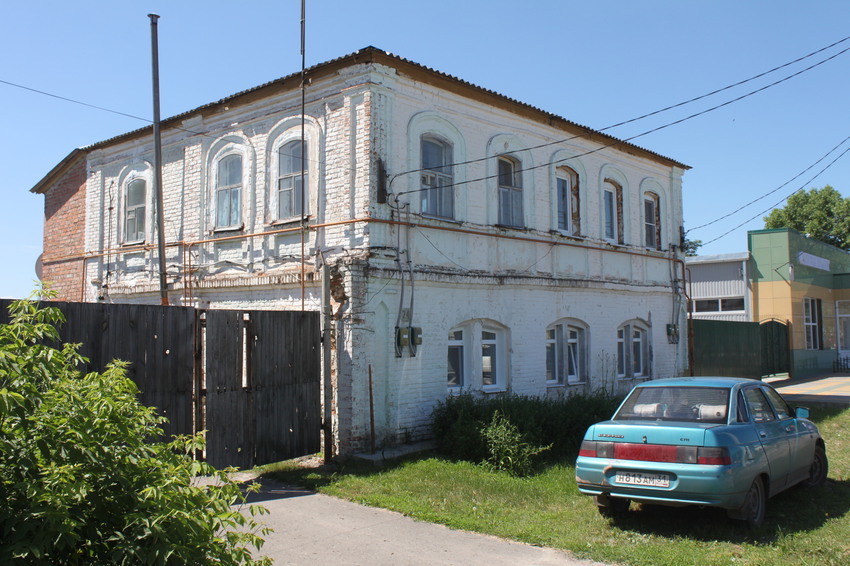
(650,222)
(437,192)
(812,323)
(612,210)
(237,219)
(634,356)
(566,347)
(456,342)
(137,211)
(510,192)
(567,199)
(480,337)
(295,177)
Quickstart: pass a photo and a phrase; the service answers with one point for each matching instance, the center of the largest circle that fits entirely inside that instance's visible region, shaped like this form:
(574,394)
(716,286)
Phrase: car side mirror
(801,412)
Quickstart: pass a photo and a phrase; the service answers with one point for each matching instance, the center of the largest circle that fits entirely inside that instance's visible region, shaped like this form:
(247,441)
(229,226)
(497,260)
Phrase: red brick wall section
(64,234)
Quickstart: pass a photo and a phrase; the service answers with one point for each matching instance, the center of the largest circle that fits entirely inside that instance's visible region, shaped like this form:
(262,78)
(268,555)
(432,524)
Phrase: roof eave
(58,171)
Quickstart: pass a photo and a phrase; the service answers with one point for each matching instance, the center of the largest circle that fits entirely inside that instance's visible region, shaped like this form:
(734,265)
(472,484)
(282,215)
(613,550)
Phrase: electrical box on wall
(673,333)
(402,336)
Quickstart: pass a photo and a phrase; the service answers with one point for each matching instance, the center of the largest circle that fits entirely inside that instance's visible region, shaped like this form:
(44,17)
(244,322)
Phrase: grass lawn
(803,526)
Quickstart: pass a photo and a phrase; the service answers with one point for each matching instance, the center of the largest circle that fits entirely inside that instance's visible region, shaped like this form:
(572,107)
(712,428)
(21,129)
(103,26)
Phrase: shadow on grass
(316,477)
(798,509)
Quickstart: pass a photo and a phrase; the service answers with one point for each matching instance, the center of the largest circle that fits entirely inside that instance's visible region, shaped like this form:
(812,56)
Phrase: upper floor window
(134,210)
(612,202)
(292,172)
(567,193)
(477,356)
(632,351)
(651,221)
(437,190)
(228,192)
(510,193)
(812,327)
(565,354)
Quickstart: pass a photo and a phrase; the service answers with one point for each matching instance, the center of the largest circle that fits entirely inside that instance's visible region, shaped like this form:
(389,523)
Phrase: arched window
(612,206)
(437,187)
(292,169)
(633,352)
(651,221)
(510,192)
(228,192)
(566,353)
(567,194)
(135,197)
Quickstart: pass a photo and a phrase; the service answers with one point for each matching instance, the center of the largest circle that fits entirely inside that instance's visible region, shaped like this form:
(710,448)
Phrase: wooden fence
(251,379)
(741,349)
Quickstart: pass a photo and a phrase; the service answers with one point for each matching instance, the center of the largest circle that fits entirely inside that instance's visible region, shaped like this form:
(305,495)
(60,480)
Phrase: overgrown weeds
(459,423)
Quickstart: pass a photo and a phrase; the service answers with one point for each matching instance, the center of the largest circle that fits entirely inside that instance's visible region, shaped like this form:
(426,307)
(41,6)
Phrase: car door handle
(789,429)
(763,434)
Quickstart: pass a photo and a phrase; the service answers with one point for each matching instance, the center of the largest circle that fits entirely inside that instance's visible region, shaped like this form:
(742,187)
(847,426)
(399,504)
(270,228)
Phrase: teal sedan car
(713,441)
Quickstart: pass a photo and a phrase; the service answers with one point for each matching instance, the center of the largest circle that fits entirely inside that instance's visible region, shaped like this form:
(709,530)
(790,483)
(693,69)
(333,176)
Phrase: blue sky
(595,63)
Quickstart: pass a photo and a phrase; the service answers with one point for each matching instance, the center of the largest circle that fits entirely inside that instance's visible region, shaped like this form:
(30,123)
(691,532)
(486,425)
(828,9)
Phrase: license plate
(637,478)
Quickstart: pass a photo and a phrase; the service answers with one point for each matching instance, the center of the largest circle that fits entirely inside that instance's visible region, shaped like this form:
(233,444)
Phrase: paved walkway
(313,529)
(829,389)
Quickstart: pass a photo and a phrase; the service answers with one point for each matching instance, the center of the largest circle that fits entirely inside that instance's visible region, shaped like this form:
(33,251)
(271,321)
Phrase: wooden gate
(251,379)
(262,386)
(775,350)
(726,348)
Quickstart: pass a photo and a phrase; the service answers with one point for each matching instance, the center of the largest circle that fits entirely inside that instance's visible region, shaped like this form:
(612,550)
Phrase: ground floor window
(477,356)
(565,354)
(633,354)
(812,326)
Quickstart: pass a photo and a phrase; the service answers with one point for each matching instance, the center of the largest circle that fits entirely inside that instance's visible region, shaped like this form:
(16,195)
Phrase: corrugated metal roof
(366,55)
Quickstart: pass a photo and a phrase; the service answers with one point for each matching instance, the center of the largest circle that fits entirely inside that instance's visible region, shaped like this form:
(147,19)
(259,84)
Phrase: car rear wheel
(611,506)
(819,469)
(753,510)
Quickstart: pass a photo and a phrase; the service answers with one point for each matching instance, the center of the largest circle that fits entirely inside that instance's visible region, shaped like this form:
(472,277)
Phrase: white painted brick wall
(361,114)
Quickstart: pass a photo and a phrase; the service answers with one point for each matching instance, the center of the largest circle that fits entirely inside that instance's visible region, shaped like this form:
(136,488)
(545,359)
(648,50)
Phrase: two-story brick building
(526,253)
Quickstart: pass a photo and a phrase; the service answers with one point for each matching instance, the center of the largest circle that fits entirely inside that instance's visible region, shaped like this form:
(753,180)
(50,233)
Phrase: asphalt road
(317,530)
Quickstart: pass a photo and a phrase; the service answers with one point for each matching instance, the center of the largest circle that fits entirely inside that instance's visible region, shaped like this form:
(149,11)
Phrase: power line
(673,106)
(628,139)
(66,99)
(788,182)
(801,188)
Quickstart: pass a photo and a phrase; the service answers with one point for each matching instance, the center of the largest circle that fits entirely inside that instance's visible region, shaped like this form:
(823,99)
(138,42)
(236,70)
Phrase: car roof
(701,381)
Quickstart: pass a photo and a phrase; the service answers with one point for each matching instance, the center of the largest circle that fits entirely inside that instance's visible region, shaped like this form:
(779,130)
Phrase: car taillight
(715,456)
(593,449)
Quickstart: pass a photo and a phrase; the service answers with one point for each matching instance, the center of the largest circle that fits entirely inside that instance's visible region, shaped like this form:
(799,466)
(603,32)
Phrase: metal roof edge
(372,54)
(58,171)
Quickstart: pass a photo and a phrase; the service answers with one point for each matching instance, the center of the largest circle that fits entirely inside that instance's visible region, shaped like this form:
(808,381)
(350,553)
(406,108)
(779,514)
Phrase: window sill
(506,227)
(288,222)
(567,234)
(132,243)
(226,229)
(441,218)
(490,389)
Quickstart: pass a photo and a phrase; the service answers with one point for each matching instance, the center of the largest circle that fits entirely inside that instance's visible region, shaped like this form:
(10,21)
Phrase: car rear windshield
(679,403)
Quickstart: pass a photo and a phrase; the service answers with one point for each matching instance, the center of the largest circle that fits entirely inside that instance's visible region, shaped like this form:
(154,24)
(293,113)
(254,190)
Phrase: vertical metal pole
(303,145)
(157,162)
(327,383)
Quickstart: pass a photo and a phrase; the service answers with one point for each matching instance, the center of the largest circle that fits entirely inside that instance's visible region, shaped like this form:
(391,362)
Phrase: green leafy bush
(81,481)
(509,452)
(459,421)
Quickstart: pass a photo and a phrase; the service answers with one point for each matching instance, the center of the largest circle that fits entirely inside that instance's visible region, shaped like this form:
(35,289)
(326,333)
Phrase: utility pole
(157,163)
